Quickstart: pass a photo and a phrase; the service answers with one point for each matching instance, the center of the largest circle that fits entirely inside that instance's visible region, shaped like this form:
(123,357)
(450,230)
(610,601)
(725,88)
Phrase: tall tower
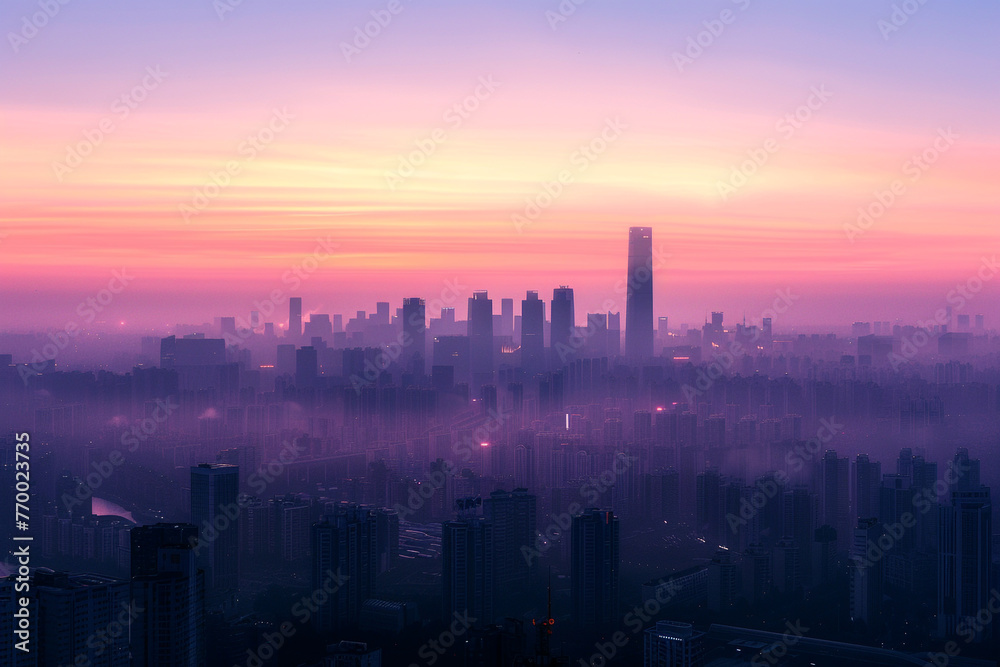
(75,612)
(344,564)
(835,505)
(867,477)
(563,321)
(170,589)
(306,366)
(480,331)
(639,295)
(964,557)
(214,491)
(594,567)
(467,574)
(506,317)
(415,330)
(513,517)
(532,334)
(866,575)
(294,317)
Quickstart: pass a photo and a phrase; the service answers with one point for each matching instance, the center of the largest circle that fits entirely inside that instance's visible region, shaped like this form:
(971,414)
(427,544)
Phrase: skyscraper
(306,366)
(214,491)
(344,565)
(594,567)
(480,332)
(835,508)
(294,317)
(639,294)
(468,580)
(964,564)
(506,317)
(170,589)
(415,335)
(532,334)
(513,517)
(77,618)
(563,323)
(866,573)
(867,476)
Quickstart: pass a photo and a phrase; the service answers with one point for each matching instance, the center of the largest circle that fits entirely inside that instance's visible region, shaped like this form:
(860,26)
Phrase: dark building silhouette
(185,352)
(867,477)
(506,317)
(214,492)
(306,366)
(866,573)
(480,332)
(835,505)
(532,334)
(513,517)
(964,564)
(415,336)
(294,317)
(468,579)
(75,612)
(563,326)
(639,295)
(594,567)
(344,565)
(170,589)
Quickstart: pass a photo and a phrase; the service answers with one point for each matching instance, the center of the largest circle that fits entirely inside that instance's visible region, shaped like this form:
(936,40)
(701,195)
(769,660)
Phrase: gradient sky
(325,174)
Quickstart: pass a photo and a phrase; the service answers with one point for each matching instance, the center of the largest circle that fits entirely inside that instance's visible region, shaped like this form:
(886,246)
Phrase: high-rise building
(468,580)
(170,590)
(532,334)
(306,366)
(381,316)
(145,543)
(895,502)
(866,573)
(290,522)
(867,477)
(415,335)
(480,332)
(596,335)
(639,295)
(723,575)
(965,554)
(594,567)
(757,574)
(513,517)
(614,334)
(670,644)
(563,326)
(77,618)
(344,565)
(214,491)
(294,317)
(506,317)
(965,470)
(835,504)
(799,525)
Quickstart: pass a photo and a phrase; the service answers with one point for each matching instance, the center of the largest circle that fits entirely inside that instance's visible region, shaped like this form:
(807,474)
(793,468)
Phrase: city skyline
(891,94)
(102,310)
(515,333)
